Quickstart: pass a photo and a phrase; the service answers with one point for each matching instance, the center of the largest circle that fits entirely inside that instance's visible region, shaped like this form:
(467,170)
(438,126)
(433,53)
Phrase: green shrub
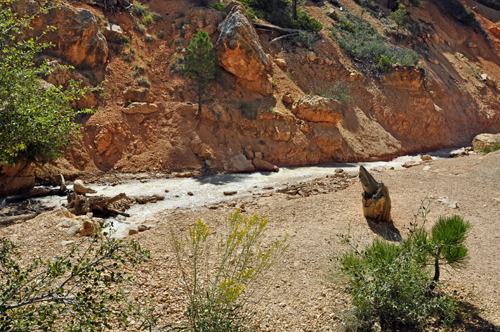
(304,38)
(219,272)
(147,19)
(339,91)
(219,6)
(391,283)
(279,12)
(383,63)
(140,27)
(249,110)
(62,293)
(359,39)
(139,9)
(493,148)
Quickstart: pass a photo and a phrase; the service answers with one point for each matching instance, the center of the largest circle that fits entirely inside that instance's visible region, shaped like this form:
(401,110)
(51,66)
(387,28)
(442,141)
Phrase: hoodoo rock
(238,48)
(318,109)
(76,38)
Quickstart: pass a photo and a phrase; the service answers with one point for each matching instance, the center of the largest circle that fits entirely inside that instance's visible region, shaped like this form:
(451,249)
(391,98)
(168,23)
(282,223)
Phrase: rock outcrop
(318,109)
(486,141)
(132,94)
(76,38)
(140,108)
(239,50)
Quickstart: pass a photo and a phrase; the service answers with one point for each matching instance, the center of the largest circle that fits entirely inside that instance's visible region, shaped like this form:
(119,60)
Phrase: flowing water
(209,190)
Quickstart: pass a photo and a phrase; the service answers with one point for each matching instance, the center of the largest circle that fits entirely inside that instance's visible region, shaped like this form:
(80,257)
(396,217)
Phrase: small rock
(479,86)
(433,60)
(259,155)
(280,62)
(472,45)
(65,243)
(287,98)
(133,231)
(184,175)
(166,190)
(339,170)
(190,193)
(311,56)
(426,168)
(426,157)
(332,14)
(491,82)
(230,193)
(73,230)
(248,153)
(143,228)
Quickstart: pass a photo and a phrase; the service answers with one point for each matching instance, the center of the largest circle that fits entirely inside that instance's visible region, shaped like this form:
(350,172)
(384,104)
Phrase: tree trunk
(376,200)
(436,275)
(81,204)
(294,9)
(199,101)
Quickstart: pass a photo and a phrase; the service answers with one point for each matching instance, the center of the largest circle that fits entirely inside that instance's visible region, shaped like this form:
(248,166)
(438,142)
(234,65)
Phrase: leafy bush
(65,292)
(391,283)
(359,39)
(383,63)
(249,110)
(340,91)
(219,272)
(219,6)
(304,38)
(493,148)
(280,12)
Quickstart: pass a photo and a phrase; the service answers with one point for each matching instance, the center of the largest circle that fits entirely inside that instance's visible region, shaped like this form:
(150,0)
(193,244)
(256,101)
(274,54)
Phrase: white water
(209,190)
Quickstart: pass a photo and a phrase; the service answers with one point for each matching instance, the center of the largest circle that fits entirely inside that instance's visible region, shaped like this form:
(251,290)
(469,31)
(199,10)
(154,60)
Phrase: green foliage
(249,110)
(339,91)
(200,63)
(383,63)
(359,39)
(35,122)
(400,16)
(494,147)
(219,272)
(280,12)
(140,27)
(148,16)
(391,282)
(219,6)
(74,292)
(304,38)
(147,19)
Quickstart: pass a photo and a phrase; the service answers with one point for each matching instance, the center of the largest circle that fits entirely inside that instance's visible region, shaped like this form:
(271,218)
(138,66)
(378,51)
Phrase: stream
(193,193)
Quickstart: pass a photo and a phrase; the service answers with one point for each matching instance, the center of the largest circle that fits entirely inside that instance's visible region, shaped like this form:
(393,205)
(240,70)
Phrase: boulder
(426,157)
(280,62)
(486,141)
(113,33)
(491,82)
(318,109)
(311,56)
(239,163)
(287,98)
(140,108)
(262,165)
(138,95)
(238,48)
(16,180)
(76,38)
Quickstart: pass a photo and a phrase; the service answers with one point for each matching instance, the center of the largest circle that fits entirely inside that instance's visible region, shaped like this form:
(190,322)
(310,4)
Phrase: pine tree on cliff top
(200,63)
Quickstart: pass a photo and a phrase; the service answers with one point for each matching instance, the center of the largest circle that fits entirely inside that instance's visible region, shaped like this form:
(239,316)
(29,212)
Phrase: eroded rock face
(318,109)
(327,137)
(485,141)
(238,47)
(138,94)
(77,38)
(16,180)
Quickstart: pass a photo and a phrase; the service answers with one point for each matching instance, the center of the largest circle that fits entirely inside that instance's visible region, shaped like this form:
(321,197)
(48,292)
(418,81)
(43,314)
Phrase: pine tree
(200,63)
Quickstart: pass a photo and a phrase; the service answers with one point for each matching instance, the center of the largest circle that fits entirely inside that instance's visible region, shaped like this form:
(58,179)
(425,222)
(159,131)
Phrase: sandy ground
(304,294)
